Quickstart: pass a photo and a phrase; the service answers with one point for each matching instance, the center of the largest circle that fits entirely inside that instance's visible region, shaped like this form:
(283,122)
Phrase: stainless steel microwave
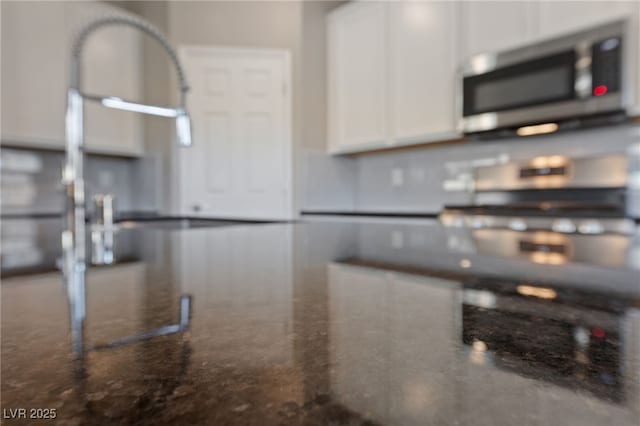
(578,75)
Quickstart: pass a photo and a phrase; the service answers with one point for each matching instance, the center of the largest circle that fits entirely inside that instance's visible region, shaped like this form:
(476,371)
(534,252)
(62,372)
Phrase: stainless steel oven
(571,195)
(575,76)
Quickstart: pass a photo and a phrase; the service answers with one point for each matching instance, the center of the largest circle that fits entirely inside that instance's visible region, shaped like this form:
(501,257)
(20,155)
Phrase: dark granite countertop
(338,323)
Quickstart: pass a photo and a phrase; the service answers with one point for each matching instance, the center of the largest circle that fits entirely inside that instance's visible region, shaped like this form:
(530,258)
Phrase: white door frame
(185,51)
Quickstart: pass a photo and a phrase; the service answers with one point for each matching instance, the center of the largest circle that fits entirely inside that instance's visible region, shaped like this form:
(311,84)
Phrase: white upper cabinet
(357,76)
(423,59)
(33,76)
(36,50)
(487,26)
(391,69)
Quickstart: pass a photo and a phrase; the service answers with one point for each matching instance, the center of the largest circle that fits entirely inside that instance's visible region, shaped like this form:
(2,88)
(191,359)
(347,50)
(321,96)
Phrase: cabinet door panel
(33,73)
(423,70)
(36,51)
(357,75)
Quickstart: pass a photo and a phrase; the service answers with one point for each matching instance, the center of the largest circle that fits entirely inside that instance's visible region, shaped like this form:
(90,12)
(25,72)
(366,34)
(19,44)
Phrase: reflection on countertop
(335,323)
(32,244)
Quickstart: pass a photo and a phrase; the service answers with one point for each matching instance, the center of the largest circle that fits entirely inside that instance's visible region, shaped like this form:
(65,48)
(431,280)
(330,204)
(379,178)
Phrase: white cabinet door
(36,51)
(240,165)
(422,71)
(111,65)
(34,80)
(357,76)
(486,26)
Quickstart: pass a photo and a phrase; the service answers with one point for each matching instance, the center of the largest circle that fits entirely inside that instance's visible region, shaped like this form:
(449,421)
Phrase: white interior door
(240,164)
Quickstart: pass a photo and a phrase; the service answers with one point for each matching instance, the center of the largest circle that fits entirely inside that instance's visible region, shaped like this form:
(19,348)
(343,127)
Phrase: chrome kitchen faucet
(73,238)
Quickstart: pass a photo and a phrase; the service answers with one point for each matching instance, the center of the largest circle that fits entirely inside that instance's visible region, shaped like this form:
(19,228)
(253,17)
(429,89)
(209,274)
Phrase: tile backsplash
(408,181)
(412,180)
(31,182)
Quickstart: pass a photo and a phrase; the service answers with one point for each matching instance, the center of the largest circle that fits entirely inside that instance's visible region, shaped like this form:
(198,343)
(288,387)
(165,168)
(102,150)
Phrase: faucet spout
(183,122)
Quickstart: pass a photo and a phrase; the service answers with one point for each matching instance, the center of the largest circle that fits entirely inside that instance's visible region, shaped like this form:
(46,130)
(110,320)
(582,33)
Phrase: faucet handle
(102,238)
(103,204)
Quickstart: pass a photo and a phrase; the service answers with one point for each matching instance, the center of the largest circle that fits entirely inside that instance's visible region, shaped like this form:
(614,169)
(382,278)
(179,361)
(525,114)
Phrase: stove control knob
(590,227)
(563,225)
(518,225)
